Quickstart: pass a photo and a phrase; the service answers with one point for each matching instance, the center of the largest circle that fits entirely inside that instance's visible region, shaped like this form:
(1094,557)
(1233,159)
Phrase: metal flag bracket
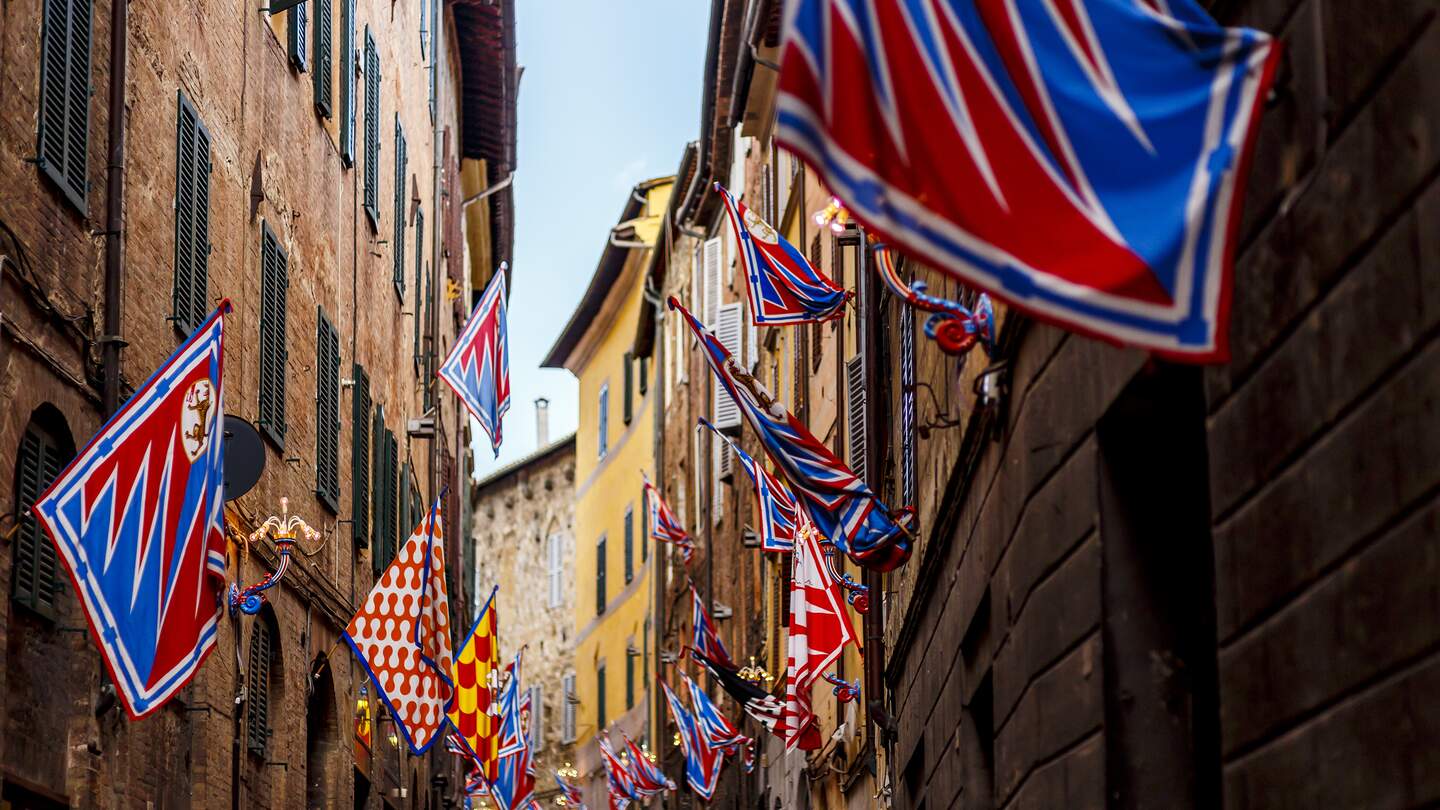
(843,690)
(856,594)
(953,326)
(285,530)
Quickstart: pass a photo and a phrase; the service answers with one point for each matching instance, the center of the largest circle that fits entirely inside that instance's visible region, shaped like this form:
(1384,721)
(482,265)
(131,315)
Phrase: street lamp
(285,530)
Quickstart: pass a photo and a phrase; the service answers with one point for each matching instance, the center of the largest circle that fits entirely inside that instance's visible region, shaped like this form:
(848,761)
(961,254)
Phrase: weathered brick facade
(275,162)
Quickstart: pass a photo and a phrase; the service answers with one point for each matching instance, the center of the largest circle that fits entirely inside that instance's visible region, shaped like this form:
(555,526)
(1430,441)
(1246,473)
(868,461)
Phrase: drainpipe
(110,340)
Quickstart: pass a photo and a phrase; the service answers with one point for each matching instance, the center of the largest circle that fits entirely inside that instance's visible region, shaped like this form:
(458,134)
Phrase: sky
(609,97)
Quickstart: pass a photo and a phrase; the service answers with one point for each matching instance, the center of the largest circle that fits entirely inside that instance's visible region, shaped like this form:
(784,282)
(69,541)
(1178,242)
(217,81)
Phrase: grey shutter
(189,298)
(392,495)
(855,412)
(64,116)
(372,129)
(434,61)
(324,31)
(627,399)
(274,281)
(347,82)
(907,405)
(711,276)
(257,693)
(398,247)
(379,483)
(360,457)
(327,413)
(35,583)
(420,291)
(600,594)
(299,44)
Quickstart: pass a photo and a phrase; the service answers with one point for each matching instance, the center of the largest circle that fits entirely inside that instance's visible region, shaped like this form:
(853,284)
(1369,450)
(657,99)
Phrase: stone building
(1136,584)
(523,533)
(313,166)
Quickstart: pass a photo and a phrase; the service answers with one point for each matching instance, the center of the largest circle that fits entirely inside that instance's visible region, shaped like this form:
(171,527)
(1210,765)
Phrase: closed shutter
(855,413)
(603,429)
(629,681)
(628,399)
(537,717)
(907,405)
(398,247)
(643,370)
(321,59)
(382,496)
(64,116)
(327,413)
(274,282)
(347,65)
(711,274)
(35,583)
(257,692)
(299,42)
(372,129)
(567,710)
(629,544)
(406,506)
(419,283)
(727,330)
(601,720)
(360,458)
(189,298)
(723,470)
(555,569)
(392,496)
(600,561)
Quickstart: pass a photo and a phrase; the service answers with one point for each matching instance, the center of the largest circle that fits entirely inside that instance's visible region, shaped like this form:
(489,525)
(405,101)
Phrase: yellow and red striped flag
(475,714)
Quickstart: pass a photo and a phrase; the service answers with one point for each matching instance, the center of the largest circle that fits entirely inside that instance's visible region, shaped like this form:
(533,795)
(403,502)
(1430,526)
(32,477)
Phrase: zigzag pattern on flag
(478,367)
(569,793)
(716,729)
(646,777)
(702,763)
(779,514)
(664,527)
(620,785)
(818,631)
(514,785)
(705,639)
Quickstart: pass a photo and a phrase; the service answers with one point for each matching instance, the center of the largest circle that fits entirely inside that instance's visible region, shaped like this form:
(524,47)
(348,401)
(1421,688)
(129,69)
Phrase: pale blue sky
(609,97)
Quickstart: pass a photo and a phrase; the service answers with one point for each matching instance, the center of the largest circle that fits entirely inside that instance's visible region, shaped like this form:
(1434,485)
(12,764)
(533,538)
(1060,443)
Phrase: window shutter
(407,517)
(537,717)
(644,371)
(324,31)
(752,342)
(327,413)
(600,577)
(629,681)
(600,721)
(629,545)
(555,570)
(299,43)
(274,281)
(644,529)
(711,271)
(727,330)
(392,496)
(64,114)
(723,469)
(35,579)
(189,299)
(347,82)
(855,412)
(372,129)
(398,246)
(567,710)
(257,693)
(381,481)
(604,421)
(628,399)
(907,405)
(420,291)
(360,457)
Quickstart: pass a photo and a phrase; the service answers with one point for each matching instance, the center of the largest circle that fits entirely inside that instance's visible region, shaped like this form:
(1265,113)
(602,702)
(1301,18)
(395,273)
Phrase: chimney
(542,422)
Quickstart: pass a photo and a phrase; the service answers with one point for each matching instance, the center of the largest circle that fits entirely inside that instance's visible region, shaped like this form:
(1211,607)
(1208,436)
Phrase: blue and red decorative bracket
(843,690)
(285,531)
(953,326)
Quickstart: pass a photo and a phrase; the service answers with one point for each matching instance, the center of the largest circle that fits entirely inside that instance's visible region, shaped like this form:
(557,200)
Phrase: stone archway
(322,737)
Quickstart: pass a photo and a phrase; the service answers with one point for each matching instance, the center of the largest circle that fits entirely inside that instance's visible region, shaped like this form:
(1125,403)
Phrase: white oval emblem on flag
(759,229)
(194,419)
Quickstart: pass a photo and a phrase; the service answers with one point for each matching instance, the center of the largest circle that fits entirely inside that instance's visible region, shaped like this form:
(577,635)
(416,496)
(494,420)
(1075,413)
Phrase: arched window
(322,736)
(262,680)
(45,448)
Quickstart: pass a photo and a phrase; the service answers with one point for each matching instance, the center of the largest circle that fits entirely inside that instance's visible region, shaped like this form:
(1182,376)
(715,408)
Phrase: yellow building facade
(607,686)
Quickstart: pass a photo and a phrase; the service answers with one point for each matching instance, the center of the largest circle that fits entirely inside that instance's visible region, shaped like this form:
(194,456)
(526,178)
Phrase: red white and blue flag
(756,702)
(706,640)
(779,513)
(138,520)
(618,782)
(645,775)
(783,287)
(478,367)
(702,763)
(664,526)
(514,785)
(1084,160)
(818,630)
(845,510)
(719,733)
(569,793)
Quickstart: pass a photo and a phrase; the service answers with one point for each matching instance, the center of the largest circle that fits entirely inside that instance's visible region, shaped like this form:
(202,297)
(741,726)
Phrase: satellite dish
(244,457)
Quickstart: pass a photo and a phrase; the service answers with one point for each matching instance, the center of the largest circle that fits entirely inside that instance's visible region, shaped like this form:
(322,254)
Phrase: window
(643,372)
(567,709)
(557,570)
(725,413)
(258,686)
(327,413)
(321,58)
(855,413)
(600,720)
(298,42)
(39,459)
(189,302)
(907,405)
(384,498)
(420,291)
(600,576)
(398,246)
(274,282)
(627,400)
(629,544)
(711,271)
(629,680)
(372,130)
(64,114)
(360,457)
(537,717)
(604,429)
(347,66)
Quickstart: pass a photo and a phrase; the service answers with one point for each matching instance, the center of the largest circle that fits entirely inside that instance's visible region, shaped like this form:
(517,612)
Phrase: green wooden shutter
(407,513)
(35,582)
(392,495)
(420,291)
(360,457)
(428,377)
(189,295)
(398,246)
(372,129)
(62,134)
(327,413)
(629,681)
(600,594)
(299,43)
(321,58)
(378,532)
(274,281)
(257,692)
(347,82)
(600,720)
(627,399)
(644,369)
(629,545)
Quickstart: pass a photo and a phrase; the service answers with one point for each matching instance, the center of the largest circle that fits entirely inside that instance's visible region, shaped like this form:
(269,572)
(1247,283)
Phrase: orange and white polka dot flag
(402,636)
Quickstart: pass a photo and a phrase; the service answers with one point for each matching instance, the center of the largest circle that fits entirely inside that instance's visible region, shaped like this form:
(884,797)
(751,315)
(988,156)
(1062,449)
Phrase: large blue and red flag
(138,520)
(702,763)
(514,784)
(645,775)
(1084,160)
(779,514)
(783,287)
(478,367)
(840,505)
(719,733)
(705,639)
(618,781)
(664,526)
